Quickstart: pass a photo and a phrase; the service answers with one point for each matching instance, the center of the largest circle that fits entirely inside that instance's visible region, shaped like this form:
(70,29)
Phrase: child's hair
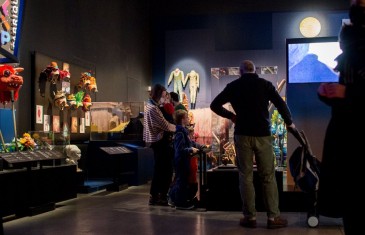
(179,115)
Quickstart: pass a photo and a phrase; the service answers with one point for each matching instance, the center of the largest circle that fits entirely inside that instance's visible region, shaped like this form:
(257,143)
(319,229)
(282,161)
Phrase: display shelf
(31,156)
(31,191)
(119,173)
(223,192)
(223,189)
(126,163)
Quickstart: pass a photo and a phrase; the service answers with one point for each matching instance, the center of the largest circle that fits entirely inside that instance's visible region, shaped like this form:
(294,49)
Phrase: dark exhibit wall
(249,31)
(177,7)
(310,115)
(113,37)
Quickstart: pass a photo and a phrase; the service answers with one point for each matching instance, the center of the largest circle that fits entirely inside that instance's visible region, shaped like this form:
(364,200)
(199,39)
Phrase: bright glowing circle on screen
(310,27)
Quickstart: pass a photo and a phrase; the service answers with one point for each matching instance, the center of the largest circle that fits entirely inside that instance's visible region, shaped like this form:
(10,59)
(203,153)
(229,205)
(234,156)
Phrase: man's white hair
(247,66)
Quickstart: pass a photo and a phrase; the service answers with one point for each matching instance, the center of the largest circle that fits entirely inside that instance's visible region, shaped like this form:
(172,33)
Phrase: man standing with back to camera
(249,96)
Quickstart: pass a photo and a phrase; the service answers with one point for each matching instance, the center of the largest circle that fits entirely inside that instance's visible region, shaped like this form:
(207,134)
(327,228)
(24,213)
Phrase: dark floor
(127,212)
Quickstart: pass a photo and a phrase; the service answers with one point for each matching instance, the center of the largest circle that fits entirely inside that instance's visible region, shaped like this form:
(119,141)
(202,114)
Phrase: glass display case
(116,120)
(49,140)
(218,132)
(42,139)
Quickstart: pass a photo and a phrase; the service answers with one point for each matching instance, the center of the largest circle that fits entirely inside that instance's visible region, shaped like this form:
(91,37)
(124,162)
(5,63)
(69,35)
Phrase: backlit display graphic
(11,18)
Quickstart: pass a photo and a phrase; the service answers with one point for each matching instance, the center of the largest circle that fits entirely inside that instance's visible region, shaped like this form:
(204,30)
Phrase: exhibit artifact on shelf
(194,83)
(280,136)
(180,84)
(10,84)
(63,96)
(38,147)
(116,121)
(177,76)
(116,148)
(30,147)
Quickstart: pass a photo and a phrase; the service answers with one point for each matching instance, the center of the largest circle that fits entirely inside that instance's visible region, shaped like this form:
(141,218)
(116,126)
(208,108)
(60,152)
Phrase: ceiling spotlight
(310,27)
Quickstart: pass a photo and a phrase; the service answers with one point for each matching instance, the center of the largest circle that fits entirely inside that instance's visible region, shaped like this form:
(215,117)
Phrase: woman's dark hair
(357,15)
(157,91)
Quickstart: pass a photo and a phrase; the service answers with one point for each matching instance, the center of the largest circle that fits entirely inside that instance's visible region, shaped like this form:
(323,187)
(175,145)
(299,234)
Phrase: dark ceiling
(201,7)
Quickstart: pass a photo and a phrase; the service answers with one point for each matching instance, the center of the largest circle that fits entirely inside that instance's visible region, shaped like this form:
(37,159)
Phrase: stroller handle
(299,135)
(302,139)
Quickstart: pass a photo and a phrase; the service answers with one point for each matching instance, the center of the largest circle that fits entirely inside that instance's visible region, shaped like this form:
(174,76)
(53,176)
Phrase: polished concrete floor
(127,212)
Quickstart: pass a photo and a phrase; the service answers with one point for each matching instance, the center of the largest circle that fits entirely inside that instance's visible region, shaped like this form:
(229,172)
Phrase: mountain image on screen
(312,62)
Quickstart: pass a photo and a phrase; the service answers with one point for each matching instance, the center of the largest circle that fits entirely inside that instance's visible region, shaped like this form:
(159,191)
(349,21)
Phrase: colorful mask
(79,96)
(88,81)
(54,74)
(51,74)
(86,103)
(84,80)
(60,100)
(10,82)
(92,85)
(71,100)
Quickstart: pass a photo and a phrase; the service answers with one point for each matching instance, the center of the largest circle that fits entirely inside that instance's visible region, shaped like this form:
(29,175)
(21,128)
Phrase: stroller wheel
(312,221)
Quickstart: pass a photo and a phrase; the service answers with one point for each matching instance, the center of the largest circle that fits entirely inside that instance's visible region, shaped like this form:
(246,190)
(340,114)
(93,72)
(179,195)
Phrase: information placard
(31,156)
(116,150)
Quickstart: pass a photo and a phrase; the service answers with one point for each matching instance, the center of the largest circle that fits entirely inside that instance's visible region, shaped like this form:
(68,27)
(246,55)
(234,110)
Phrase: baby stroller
(305,169)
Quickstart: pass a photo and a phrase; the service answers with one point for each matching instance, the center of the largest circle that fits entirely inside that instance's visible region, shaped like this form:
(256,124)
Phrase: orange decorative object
(88,81)
(92,85)
(84,80)
(191,118)
(185,101)
(86,103)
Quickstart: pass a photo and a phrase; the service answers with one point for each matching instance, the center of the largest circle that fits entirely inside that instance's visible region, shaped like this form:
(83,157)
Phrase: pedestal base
(116,187)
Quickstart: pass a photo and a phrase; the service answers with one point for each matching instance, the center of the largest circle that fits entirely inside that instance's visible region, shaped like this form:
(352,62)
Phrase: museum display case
(34,173)
(116,121)
(116,150)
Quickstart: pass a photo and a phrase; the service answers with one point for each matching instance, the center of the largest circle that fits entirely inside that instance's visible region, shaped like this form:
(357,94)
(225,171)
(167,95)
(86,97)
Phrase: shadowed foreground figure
(343,159)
